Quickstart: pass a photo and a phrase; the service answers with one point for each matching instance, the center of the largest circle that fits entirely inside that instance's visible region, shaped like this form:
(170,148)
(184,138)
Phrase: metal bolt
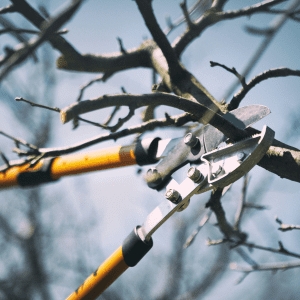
(184,206)
(190,140)
(153,177)
(152,171)
(173,196)
(194,174)
(241,156)
(216,172)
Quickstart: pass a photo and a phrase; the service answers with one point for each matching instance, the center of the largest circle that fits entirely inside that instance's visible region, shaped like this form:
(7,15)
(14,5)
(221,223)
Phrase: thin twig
(273,73)
(48,30)
(285,227)
(265,267)
(37,105)
(5,159)
(122,49)
(232,70)
(20,141)
(177,121)
(275,25)
(186,14)
(197,109)
(192,237)
(9,30)
(8,9)
(241,207)
(280,250)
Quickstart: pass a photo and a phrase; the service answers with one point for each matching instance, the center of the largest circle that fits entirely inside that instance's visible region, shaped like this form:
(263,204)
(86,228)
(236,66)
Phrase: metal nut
(194,174)
(184,206)
(190,140)
(173,196)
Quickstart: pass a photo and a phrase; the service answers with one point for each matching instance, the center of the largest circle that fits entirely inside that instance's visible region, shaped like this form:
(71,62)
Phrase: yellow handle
(92,161)
(102,278)
(115,157)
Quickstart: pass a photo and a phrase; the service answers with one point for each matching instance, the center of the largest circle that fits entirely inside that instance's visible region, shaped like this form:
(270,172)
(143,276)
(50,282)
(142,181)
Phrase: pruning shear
(212,167)
(216,162)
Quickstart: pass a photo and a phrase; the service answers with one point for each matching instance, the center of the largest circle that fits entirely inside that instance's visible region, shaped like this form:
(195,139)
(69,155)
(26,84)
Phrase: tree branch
(48,29)
(232,70)
(241,206)
(204,114)
(285,227)
(159,37)
(273,73)
(262,7)
(215,15)
(192,237)
(266,267)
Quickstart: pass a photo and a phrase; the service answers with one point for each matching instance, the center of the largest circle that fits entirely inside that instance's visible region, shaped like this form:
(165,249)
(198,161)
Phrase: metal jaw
(218,168)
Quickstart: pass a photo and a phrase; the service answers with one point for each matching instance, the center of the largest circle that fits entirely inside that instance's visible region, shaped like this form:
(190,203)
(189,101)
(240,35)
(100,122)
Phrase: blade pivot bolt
(190,140)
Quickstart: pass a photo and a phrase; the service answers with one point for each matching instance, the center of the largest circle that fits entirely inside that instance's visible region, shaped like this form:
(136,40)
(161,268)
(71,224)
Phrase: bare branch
(6,161)
(192,237)
(215,15)
(194,12)
(232,70)
(177,121)
(103,78)
(20,141)
(255,206)
(159,37)
(7,9)
(235,236)
(262,7)
(48,29)
(37,105)
(37,20)
(266,267)
(200,111)
(280,250)
(110,117)
(241,207)
(285,227)
(273,73)
(17,30)
(122,49)
(273,29)
(186,14)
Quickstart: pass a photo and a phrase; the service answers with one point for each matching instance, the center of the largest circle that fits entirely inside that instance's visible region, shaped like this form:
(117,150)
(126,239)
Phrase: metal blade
(241,117)
(247,115)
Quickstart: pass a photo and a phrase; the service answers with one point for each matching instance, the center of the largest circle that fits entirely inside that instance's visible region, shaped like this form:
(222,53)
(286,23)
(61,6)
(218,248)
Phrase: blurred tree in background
(52,237)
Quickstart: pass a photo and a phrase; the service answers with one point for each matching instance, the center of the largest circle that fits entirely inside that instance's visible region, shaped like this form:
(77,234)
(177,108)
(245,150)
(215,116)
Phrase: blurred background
(52,237)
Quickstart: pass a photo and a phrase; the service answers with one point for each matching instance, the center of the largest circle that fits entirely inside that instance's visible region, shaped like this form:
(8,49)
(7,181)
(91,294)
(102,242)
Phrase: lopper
(216,162)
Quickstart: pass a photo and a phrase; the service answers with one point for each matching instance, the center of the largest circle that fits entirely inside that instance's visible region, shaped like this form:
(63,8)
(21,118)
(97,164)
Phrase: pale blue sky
(119,199)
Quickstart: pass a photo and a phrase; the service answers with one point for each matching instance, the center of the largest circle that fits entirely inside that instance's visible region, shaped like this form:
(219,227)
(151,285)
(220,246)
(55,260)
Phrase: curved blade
(241,117)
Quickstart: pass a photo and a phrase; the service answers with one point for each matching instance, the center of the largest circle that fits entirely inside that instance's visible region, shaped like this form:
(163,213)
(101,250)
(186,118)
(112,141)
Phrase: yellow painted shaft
(75,164)
(9,177)
(92,161)
(102,278)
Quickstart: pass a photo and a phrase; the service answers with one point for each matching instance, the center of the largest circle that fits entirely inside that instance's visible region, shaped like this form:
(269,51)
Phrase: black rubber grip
(134,249)
(145,154)
(32,178)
